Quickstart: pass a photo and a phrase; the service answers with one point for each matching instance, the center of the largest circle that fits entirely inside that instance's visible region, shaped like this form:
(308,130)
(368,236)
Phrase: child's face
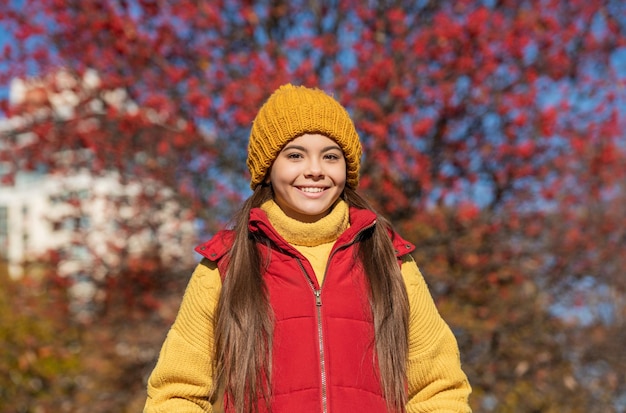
(308,176)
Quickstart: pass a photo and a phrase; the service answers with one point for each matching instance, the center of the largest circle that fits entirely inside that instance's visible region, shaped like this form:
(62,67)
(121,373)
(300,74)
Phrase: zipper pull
(318,298)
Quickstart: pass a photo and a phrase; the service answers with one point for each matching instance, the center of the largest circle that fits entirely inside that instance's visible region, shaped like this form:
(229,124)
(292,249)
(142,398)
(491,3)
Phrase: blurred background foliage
(494,140)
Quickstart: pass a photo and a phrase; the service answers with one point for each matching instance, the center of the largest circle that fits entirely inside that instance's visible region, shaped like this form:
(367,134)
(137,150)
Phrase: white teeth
(312,190)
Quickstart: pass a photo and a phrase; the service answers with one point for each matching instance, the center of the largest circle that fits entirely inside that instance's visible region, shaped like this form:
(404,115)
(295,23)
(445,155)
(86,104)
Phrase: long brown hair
(244,323)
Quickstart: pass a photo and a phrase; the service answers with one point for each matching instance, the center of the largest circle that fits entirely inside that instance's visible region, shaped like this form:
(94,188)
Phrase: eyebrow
(303,149)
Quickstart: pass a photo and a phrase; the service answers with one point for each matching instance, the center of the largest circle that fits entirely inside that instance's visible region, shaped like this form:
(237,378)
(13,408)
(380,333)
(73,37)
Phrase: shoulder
(400,245)
(215,248)
(365,218)
(411,274)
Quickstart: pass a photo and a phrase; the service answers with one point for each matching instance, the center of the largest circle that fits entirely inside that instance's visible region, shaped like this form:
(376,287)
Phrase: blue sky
(5,38)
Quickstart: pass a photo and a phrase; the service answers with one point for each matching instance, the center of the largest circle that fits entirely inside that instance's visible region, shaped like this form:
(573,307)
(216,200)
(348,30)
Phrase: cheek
(272,177)
(283,172)
(340,175)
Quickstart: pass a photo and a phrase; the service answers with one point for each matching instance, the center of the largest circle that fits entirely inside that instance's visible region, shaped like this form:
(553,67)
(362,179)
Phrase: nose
(314,169)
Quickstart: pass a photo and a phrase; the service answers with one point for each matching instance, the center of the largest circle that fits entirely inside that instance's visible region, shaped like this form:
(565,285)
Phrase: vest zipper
(320,335)
(318,304)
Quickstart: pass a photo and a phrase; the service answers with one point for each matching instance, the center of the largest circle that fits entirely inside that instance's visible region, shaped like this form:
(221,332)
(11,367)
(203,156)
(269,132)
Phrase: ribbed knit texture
(314,240)
(292,111)
(298,233)
(183,377)
(436,382)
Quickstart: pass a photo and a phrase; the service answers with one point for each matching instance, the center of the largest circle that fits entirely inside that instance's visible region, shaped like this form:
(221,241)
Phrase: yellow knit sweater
(181,380)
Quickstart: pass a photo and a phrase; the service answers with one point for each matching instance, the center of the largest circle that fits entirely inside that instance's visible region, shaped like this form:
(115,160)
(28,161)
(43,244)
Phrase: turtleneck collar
(323,231)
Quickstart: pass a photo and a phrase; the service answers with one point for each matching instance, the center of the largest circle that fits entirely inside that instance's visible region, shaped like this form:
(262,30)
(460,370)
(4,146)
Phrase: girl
(311,303)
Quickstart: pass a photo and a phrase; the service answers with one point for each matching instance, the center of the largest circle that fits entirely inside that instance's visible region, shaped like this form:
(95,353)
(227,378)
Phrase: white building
(89,219)
(93,223)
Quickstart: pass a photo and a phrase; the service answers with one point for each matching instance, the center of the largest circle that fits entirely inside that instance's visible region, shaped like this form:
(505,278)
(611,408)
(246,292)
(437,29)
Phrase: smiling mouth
(311,190)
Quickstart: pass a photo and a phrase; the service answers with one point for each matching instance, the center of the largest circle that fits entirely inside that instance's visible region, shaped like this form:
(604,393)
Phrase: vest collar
(360,219)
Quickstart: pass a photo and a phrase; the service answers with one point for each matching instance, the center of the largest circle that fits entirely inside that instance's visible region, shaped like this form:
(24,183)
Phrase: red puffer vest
(323,350)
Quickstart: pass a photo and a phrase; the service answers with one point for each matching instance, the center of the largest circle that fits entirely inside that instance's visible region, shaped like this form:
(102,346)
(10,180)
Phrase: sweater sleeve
(182,378)
(436,382)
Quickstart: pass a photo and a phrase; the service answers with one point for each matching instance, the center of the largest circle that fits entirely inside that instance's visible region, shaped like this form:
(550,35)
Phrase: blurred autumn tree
(493,135)
(39,364)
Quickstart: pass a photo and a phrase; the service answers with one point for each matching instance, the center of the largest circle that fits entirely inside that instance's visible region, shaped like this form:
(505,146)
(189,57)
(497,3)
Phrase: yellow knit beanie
(292,111)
